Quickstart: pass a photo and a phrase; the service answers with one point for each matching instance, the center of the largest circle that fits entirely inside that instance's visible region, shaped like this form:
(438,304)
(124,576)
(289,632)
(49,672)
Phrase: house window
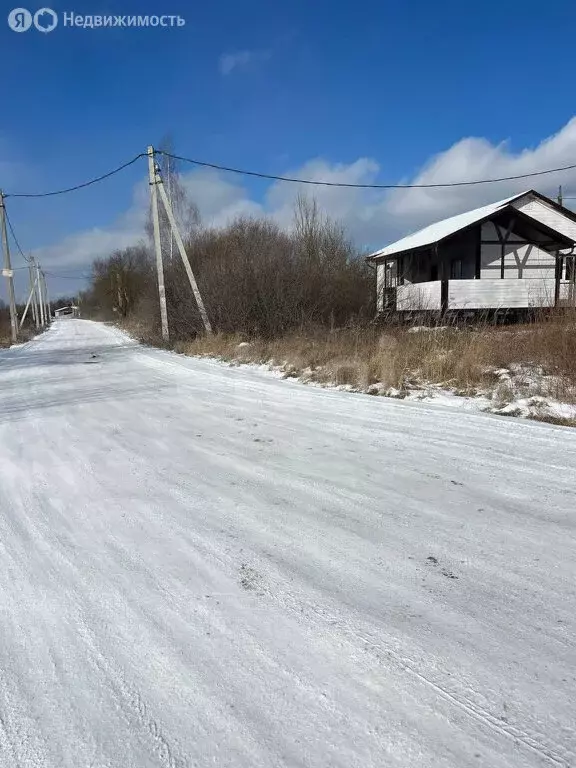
(570,267)
(456,269)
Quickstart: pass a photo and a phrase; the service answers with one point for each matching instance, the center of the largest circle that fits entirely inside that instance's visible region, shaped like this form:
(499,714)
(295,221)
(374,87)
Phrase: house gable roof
(552,203)
(434,233)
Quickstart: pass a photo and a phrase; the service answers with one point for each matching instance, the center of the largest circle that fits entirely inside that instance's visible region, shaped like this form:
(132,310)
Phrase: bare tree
(255,278)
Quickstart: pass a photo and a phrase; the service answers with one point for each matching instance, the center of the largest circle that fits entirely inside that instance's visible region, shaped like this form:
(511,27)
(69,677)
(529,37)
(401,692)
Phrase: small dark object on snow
(449,574)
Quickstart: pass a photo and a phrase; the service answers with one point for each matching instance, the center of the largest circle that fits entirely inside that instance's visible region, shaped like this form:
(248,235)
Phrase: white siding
(547,215)
(416,296)
(479,294)
(524,261)
(497,294)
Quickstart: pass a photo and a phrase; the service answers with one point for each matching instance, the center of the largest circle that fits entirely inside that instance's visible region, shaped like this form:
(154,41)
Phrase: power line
(57,274)
(68,277)
(274,177)
(79,186)
(50,271)
(21,252)
(361,186)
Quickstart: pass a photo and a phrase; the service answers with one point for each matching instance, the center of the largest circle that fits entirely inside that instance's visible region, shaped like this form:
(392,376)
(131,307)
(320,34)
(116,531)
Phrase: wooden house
(513,255)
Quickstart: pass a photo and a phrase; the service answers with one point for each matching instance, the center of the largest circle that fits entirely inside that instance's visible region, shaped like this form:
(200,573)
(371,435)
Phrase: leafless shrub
(119,283)
(255,279)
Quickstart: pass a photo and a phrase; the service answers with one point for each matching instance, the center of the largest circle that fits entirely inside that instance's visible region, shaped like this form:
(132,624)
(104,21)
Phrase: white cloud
(219,197)
(372,217)
(342,203)
(80,249)
(228,62)
(475,158)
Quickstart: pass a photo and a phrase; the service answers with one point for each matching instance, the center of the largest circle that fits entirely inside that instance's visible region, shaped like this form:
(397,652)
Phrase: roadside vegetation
(523,370)
(27,332)
(301,301)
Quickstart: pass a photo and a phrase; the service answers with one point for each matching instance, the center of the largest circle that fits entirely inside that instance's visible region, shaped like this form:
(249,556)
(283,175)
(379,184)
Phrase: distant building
(70,311)
(516,254)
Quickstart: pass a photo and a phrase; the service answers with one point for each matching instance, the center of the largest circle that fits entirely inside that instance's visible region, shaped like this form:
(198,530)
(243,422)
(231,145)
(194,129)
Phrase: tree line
(255,277)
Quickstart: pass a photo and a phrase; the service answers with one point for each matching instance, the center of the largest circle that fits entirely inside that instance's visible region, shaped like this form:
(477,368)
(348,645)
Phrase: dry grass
(557,420)
(464,360)
(25,334)
(5,338)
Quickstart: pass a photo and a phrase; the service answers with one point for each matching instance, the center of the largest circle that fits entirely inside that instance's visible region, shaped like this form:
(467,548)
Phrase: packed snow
(204,565)
(522,391)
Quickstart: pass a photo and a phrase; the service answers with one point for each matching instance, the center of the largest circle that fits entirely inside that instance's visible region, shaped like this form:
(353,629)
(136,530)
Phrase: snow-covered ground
(520,390)
(525,391)
(206,566)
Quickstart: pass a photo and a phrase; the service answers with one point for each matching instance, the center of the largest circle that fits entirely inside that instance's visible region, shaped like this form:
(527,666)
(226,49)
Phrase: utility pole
(7,271)
(153,180)
(170,198)
(37,294)
(33,292)
(47,295)
(560,198)
(184,255)
(40,295)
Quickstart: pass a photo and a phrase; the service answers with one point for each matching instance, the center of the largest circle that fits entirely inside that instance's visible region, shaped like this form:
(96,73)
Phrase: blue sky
(373,91)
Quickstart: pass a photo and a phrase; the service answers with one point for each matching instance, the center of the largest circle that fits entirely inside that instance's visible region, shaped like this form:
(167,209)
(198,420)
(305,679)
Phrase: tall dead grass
(27,332)
(5,334)
(463,359)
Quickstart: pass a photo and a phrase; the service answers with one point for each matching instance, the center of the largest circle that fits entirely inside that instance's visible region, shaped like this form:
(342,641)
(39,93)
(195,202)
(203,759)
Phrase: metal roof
(442,229)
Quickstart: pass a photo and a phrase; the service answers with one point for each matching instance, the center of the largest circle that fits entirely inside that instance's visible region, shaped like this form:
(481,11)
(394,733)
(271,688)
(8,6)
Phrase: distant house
(516,254)
(70,311)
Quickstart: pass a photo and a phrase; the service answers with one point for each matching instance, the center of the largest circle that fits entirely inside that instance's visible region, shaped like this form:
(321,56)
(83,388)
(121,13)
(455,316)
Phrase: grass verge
(518,369)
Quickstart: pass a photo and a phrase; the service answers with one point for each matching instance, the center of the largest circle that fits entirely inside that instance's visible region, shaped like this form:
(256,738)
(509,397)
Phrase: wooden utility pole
(153,180)
(169,169)
(40,295)
(47,296)
(184,255)
(560,198)
(7,271)
(33,291)
(37,294)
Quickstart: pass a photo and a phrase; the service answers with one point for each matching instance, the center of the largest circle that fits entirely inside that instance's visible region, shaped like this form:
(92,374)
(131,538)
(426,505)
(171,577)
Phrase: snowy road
(207,566)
